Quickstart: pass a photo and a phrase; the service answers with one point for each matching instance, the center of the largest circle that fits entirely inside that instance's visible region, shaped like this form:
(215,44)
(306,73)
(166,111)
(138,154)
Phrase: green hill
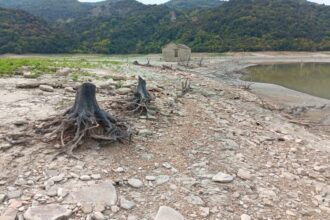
(21,32)
(127,26)
(50,10)
(193,4)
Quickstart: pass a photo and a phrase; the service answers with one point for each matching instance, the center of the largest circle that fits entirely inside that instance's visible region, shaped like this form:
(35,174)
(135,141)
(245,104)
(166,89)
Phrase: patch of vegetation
(38,65)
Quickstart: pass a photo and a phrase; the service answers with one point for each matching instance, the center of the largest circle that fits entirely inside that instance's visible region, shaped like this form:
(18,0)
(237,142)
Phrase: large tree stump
(84,120)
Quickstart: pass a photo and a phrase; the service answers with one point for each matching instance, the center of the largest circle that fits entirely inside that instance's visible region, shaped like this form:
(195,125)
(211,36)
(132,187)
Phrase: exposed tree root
(140,101)
(84,120)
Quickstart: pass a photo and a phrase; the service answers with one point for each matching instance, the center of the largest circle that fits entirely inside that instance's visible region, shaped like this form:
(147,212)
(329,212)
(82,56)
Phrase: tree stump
(84,120)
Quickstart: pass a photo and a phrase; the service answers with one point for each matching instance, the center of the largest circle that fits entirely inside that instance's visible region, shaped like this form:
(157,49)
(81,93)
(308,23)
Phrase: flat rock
(85,177)
(245,217)
(195,200)
(104,193)
(162,179)
(222,178)
(48,212)
(244,174)
(126,204)
(136,183)
(123,91)
(46,88)
(167,213)
(98,216)
(14,194)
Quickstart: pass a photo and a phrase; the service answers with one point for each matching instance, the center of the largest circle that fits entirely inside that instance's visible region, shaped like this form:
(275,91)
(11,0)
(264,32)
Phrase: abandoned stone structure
(173,52)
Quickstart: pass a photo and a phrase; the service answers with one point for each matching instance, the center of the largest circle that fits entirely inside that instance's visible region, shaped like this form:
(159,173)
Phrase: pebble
(46,88)
(120,170)
(167,213)
(132,217)
(162,179)
(62,192)
(58,178)
(14,194)
(195,200)
(244,174)
(87,207)
(145,132)
(150,178)
(85,177)
(98,216)
(123,91)
(115,209)
(96,176)
(69,89)
(245,217)
(2,198)
(223,178)
(167,165)
(126,204)
(136,183)
(205,211)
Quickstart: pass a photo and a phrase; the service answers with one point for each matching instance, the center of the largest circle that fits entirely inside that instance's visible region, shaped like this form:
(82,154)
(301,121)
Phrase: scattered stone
(14,194)
(145,132)
(123,91)
(62,192)
(104,193)
(52,192)
(27,74)
(231,145)
(244,174)
(126,204)
(48,212)
(162,179)
(115,209)
(167,213)
(205,211)
(58,178)
(69,89)
(46,88)
(20,182)
(85,177)
(132,217)
(223,178)
(96,176)
(245,217)
(167,165)
(119,170)
(195,200)
(98,216)
(87,208)
(150,178)
(2,198)
(136,183)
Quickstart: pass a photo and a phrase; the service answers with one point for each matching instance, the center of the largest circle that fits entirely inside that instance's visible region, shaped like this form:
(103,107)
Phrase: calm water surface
(311,78)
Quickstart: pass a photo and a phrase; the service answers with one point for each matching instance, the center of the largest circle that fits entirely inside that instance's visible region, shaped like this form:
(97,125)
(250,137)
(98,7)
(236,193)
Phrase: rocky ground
(216,153)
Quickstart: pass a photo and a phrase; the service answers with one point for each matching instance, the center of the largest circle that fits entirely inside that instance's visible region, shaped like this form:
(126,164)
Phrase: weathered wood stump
(84,120)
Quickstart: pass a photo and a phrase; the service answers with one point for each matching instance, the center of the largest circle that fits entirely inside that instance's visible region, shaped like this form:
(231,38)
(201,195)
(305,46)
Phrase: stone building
(173,52)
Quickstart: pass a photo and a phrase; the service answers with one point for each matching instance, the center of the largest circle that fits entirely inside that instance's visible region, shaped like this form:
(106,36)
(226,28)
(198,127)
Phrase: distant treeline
(127,26)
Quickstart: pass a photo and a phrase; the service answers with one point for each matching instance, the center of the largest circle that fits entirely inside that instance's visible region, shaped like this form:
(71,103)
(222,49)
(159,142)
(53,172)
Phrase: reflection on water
(311,78)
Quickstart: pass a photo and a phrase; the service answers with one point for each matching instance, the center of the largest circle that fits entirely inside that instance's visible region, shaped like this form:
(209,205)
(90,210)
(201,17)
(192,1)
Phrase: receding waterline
(310,78)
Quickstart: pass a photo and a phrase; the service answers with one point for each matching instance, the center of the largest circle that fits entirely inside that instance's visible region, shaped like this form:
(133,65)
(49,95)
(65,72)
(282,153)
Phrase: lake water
(311,78)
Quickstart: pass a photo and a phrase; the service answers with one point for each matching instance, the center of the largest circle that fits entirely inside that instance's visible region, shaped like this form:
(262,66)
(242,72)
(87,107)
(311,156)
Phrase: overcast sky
(327,2)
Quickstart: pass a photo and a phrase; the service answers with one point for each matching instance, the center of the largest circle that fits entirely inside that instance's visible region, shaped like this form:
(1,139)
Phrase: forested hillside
(21,32)
(127,26)
(50,10)
(193,4)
